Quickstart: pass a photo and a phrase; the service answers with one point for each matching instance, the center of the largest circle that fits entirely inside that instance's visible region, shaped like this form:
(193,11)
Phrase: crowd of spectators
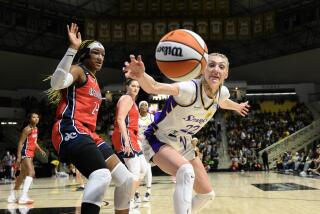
(209,142)
(300,163)
(247,136)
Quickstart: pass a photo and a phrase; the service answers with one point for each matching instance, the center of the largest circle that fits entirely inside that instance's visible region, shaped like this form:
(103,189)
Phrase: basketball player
(76,89)
(25,153)
(145,119)
(125,134)
(190,106)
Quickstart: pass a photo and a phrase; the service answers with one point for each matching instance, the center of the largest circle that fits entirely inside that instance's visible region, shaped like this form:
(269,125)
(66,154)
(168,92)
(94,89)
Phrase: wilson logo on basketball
(168,50)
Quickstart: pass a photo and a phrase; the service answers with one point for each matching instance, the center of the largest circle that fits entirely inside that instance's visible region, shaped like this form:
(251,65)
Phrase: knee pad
(123,194)
(184,182)
(97,184)
(199,201)
(119,174)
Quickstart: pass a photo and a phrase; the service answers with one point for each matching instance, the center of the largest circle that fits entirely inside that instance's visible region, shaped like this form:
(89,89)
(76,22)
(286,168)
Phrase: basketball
(181,55)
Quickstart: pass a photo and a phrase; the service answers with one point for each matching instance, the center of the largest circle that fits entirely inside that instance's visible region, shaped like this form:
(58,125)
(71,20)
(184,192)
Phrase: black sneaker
(80,189)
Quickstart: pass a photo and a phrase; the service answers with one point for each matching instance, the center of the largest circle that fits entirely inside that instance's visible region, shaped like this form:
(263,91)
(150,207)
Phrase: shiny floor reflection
(235,194)
(24,209)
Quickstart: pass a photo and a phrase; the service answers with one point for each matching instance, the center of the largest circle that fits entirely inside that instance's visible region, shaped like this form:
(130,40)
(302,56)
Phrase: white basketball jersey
(144,122)
(178,120)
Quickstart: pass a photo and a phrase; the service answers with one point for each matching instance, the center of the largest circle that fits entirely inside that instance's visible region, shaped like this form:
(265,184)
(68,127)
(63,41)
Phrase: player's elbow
(61,79)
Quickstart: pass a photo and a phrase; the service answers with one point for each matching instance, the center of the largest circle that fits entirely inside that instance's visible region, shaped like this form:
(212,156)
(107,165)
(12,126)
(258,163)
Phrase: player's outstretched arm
(65,74)
(241,108)
(135,69)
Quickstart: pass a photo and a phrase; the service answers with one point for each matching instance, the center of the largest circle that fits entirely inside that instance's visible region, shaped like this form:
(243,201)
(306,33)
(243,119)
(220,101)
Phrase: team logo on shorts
(70,136)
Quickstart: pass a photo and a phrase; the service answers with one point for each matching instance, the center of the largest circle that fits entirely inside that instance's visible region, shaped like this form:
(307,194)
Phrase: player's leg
(134,166)
(92,167)
(122,178)
(145,173)
(202,186)
(15,191)
(148,180)
(27,164)
(170,161)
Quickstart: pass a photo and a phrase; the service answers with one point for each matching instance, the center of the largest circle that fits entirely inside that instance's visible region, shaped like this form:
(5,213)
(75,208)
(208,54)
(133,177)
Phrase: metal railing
(293,142)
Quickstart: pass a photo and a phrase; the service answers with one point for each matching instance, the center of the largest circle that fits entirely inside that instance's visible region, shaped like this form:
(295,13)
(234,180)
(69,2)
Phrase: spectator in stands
(265,160)
(297,159)
(288,163)
(2,171)
(234,163)
(215,159)
(279,163)
(7,161)
(316,162)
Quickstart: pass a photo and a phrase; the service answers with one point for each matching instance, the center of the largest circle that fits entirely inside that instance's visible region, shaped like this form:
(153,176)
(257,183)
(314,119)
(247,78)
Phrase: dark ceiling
(297,25)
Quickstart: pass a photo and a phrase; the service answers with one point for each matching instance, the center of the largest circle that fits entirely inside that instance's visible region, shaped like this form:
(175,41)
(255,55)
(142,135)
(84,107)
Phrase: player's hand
(127,148)
(74,36)
(243,108)
(43,153)
(18,162)
(135,68)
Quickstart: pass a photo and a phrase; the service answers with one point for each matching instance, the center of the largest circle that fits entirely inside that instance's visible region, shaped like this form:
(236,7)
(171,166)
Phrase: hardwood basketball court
(236,193)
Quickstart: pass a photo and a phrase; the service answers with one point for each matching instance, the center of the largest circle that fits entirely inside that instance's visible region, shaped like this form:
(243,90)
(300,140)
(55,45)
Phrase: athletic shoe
(80,188)
(134,205)
(25,200)
(147,197)
(12,198)
(137,198)
(134,211)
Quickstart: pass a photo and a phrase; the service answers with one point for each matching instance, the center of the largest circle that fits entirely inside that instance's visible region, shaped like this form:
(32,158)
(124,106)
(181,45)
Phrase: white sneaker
(134,211)
(147,197)
(25,200)
(303,174)
(12,198)
(137,198)
(134,205)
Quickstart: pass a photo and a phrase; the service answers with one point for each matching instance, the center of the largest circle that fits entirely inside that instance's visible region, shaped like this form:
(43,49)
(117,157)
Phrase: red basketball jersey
(29,145)
(131,121)
(81,103)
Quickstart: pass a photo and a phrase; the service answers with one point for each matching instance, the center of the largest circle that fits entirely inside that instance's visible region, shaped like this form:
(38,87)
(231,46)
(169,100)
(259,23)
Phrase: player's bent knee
(185,174)
(97,184)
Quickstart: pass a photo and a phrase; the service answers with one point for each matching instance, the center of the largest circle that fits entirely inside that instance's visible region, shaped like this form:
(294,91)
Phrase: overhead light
(8,123)
(271,94)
